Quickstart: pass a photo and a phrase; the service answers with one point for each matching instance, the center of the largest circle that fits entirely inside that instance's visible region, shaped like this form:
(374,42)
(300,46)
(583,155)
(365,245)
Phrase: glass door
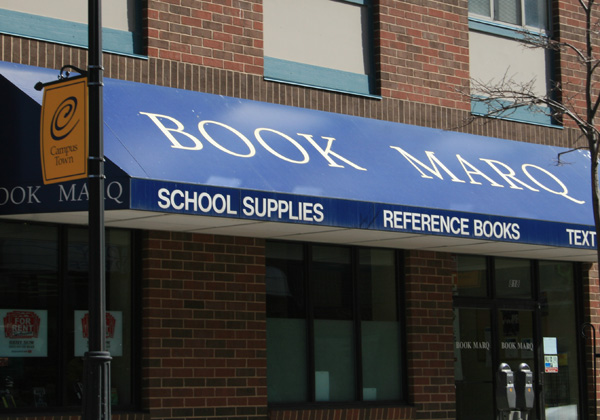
(473,366)
(480,347)
(515,338)
(515,311)
(495,322)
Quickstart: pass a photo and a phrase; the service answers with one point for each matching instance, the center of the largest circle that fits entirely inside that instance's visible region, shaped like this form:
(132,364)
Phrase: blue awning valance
(173,151)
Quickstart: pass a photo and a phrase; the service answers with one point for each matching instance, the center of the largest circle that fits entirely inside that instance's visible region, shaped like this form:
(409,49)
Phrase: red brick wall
(429,279)
(204,341)
(221,34)
(422,51)
(118,416)
(591,299)
(215,46)
(379,413)
(569,27)
(421,46)
(194,284)
(204,332)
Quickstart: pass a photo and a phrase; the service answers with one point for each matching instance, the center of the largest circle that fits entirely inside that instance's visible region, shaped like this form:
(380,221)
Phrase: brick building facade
(196,294)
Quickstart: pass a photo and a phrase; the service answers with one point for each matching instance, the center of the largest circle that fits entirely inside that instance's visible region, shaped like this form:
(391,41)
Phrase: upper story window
(498,31)
(531,13)
(305,46)
(65,22)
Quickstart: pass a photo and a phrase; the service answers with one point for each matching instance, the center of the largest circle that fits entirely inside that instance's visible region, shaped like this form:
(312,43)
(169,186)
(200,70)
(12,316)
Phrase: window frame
(538,114)
(324,78)
(356,326)
(494,303)
(73,34)
(491,20)
(64,341)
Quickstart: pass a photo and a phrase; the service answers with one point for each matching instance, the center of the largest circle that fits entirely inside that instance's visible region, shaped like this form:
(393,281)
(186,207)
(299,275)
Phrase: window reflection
(326,306)
(512,278)
(42,286)
(471,277)
(561,387)
(29,288)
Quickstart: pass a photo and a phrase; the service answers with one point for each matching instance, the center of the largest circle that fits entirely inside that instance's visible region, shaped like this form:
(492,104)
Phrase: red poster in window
(114,332)
(25,333)
(21,324)
(111,323)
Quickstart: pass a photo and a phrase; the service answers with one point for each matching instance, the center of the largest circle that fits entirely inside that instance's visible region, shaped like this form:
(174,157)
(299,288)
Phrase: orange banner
(64,131)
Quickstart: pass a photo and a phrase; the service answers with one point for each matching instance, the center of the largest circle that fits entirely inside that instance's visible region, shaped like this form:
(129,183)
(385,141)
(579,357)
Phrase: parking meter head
(506,398)
(524,387)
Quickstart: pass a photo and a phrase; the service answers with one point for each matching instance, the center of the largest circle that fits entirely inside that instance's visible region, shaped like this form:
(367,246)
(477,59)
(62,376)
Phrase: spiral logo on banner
(63,121)
(64,131)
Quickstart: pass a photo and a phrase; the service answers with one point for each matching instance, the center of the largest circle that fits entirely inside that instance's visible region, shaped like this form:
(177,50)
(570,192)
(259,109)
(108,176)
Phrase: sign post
(96,398)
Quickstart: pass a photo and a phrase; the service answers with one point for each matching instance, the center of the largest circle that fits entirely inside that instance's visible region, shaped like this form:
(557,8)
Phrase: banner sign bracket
(62,75)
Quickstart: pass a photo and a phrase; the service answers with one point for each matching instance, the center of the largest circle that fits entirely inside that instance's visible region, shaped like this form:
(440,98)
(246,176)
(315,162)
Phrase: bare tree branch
(563,101)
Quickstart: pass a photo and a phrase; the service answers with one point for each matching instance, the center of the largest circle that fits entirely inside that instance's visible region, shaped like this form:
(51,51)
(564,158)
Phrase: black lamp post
(96,381)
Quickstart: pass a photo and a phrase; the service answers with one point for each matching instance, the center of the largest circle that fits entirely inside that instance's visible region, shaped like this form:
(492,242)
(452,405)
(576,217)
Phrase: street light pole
(96,381)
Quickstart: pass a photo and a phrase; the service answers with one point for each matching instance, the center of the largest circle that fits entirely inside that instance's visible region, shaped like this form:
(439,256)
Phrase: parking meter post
(524,390)
(506,397)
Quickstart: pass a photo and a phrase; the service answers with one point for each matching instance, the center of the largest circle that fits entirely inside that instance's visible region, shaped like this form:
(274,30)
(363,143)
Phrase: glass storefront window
(561,386)
(347,324)
(471,279)
(29,312)
(512,278)
(43,308)
(287,362)
(381,366)
(331,287)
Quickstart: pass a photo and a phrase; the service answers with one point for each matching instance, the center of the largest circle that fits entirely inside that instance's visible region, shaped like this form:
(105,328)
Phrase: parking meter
(524,387)
(506,397)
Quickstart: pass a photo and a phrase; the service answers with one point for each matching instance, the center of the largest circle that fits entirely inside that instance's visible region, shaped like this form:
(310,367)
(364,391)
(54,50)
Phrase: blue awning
(294,170)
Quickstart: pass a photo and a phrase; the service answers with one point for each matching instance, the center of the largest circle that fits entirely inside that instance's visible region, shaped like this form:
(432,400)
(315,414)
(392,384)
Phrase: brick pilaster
(430,333)
(204,336)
